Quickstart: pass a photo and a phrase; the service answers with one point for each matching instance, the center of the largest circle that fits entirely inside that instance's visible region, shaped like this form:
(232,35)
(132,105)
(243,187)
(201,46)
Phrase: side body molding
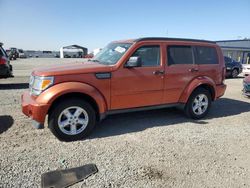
(51,94)
(201,80)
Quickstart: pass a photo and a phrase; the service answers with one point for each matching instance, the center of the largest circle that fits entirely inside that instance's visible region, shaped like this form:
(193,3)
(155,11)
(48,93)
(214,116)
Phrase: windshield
(111,53)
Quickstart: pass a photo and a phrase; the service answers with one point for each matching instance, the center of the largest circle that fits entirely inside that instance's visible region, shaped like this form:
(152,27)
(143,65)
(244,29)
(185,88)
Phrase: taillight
(3,60)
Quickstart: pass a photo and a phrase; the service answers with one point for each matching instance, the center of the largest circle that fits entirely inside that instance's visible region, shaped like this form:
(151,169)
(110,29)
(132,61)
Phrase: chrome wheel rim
(73,120)
(200,104)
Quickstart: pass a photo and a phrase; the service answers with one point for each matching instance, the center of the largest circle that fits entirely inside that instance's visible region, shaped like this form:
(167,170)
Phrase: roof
(172,39)
(1,43)
(162,39)
(74,46)
(236,48)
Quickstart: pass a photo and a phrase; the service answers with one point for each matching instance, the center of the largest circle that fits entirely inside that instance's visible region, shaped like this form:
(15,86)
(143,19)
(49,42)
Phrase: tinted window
(206,55)
(150,55)
(180,55)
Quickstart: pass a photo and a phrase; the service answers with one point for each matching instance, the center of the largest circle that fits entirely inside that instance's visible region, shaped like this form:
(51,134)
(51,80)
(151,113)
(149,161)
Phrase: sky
(51,24)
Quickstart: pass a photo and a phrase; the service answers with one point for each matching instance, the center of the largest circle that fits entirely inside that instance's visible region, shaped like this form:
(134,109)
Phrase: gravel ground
(159,148)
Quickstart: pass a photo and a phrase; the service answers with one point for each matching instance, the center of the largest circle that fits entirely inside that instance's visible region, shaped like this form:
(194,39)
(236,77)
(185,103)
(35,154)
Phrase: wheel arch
(84,91)
(200,82)
(76,95)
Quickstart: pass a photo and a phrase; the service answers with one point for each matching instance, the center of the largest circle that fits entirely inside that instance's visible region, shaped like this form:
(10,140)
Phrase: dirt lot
(160,148)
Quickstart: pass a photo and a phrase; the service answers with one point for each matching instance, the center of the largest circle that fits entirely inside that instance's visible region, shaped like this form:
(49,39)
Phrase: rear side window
(180,55)
(206,55)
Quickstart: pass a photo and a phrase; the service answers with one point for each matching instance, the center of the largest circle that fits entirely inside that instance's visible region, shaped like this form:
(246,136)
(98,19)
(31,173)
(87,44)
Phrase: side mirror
(133,62)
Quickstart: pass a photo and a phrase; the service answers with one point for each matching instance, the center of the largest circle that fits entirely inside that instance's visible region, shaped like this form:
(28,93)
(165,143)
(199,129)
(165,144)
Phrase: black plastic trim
(172,39)
(103,75)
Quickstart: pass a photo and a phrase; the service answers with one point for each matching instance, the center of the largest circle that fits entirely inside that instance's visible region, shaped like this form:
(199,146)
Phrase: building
(236,49)
(74,51)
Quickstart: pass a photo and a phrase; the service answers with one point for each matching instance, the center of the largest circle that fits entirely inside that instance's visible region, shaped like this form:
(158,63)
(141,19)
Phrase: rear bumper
(32,109)
(220,90)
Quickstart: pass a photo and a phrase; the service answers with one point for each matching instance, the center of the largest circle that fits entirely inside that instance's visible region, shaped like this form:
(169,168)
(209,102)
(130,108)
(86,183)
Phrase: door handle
(193,70)
(157,72)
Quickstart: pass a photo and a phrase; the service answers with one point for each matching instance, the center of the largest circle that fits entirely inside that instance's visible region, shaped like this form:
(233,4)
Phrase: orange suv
(126,76)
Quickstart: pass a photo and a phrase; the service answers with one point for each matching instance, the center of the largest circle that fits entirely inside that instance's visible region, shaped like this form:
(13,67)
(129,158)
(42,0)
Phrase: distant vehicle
(5,66)
(246,69)
(13,54)
(233,67)
(246,86)
(21,54)
(125,76)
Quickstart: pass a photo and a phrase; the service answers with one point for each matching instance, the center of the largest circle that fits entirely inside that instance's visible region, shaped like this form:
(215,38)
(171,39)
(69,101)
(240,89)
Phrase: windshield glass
(111,53)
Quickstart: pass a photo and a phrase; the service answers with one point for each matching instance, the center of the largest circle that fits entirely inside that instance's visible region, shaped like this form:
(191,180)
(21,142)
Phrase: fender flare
(195,83)
(52,93)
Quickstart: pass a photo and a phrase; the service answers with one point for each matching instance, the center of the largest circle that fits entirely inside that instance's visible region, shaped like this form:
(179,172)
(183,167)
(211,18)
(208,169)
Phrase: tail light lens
(3,61)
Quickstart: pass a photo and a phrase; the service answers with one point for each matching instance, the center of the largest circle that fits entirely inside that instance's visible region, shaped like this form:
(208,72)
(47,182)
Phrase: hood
(72,68)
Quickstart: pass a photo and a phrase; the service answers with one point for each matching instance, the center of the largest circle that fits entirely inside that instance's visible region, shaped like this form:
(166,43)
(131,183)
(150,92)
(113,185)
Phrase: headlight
(39,84)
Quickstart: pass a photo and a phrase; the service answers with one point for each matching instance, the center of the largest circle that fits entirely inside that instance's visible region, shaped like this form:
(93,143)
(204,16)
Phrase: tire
(69,114)
(195,108)
(234,73)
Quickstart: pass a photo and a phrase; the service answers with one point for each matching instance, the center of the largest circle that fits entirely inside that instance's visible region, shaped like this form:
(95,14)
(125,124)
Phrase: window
(150,55)
(180,55)
(206,55)
(227,60)
(111,54)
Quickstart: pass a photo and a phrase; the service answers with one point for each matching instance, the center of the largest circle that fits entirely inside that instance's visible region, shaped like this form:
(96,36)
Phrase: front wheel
(198,104)
(72,120)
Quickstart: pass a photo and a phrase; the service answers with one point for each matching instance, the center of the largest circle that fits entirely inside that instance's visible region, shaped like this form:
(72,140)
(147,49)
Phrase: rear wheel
(198,104)
(234,73)
(72,120)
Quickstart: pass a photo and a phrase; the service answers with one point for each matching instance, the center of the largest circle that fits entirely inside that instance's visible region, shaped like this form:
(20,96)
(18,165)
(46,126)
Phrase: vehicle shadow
(14,86)
(138,121)
(5,123)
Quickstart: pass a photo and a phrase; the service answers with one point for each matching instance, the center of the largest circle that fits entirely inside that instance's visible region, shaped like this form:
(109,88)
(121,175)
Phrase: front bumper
(246,89)
(32,109)
(220,90)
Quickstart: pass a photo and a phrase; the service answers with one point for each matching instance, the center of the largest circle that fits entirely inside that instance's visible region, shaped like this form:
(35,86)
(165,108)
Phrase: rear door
(179,72)
(208,63)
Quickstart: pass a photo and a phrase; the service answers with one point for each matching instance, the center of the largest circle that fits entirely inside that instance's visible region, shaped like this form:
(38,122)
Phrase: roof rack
(172,39)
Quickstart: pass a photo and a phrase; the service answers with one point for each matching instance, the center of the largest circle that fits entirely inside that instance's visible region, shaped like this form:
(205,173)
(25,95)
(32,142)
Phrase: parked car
(13,54)
(5,66)
(246,86)
(131,75)
(233,67)
(21,53)
(246,69)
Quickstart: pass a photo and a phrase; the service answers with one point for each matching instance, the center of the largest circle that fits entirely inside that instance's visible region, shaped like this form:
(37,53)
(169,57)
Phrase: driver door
(139,86)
